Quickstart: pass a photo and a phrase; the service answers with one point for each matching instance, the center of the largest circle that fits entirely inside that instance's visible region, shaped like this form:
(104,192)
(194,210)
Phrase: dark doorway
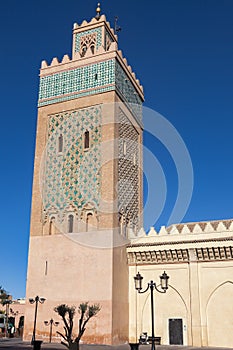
(175,331)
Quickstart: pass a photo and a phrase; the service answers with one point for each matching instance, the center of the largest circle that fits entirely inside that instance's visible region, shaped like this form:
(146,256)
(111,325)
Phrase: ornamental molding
(194,241)
(170,256)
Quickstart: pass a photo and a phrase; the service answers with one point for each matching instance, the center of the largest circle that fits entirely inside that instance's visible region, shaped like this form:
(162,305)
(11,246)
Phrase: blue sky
(182,52)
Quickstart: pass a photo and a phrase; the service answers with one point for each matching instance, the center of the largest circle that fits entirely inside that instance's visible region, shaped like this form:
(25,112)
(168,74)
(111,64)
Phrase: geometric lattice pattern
(89,80)
(79,37)
(88,41)
(128,171)
(128,92)
(71,177)
(68,82)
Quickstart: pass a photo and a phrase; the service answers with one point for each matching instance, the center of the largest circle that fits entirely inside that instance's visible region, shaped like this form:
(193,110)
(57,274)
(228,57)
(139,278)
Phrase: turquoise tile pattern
(89,80)
(82,79)
(71,177)
(128,92)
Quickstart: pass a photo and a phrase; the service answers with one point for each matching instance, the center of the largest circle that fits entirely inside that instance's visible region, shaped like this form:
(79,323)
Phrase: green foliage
(4,296)
(67,314)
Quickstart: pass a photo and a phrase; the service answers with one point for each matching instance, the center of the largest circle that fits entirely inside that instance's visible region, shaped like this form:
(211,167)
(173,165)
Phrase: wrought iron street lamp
(52,323)
(152,286)
(32,301)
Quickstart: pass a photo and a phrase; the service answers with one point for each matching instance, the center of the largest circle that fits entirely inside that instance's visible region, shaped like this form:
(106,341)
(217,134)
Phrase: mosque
(86,237)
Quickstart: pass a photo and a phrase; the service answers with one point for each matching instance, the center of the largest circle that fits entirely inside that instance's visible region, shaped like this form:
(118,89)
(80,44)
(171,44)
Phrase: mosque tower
(87,186)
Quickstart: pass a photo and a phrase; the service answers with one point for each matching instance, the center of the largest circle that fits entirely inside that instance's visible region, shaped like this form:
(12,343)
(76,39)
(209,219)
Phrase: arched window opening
(86,140)
(121,224)
(88,221)
(134,159)
(124,148)
(84,50)
(70,223)
(92,47)
(52,226)
(91,222)
(60,143)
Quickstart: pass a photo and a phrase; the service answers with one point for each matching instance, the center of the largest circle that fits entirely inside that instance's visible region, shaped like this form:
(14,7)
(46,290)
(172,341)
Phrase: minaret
(87,188)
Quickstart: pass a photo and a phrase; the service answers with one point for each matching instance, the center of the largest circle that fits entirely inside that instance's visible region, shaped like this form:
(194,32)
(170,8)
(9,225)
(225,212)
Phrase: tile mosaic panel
(128,171)
(89,80)
(76,80)
(71,177)
(128,92)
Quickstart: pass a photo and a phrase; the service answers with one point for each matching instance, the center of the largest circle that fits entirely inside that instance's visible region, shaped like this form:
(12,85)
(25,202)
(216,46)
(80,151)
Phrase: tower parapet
(96,66)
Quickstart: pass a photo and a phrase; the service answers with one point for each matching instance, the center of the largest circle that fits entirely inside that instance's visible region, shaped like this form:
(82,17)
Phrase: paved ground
(16,343)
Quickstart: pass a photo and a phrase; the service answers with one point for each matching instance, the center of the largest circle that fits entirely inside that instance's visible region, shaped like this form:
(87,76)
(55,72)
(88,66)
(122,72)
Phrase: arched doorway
(219,314)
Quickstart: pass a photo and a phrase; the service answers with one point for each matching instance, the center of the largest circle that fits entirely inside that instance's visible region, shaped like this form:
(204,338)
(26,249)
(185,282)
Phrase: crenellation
(54,62)
(152,232)
(130,68)
(173,230)
(221,227)
(84,23)
(93,20)
(163,231)
(102,18)
(44,64)
(185,230)
(208,228)
(197,229)
(75,25)
(65,59)
(120,54)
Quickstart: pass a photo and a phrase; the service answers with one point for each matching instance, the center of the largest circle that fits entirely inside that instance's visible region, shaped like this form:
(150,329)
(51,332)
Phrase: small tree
(67,314)
(4,296)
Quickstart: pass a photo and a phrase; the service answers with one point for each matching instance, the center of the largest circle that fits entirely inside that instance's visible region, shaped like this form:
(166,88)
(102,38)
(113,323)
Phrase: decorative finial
(98,9)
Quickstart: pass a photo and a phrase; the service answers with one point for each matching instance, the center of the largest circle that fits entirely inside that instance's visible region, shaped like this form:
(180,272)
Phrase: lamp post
(52,323)
(32,301)
(152,286)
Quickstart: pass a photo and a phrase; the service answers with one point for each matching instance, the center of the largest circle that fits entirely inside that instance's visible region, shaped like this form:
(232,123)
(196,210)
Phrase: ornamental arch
(219,312)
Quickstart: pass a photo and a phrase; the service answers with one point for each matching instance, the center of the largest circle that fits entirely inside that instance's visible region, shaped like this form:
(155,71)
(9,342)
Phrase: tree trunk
(74,346)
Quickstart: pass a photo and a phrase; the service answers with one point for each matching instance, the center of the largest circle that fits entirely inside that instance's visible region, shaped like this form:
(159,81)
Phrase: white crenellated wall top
(184,231)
